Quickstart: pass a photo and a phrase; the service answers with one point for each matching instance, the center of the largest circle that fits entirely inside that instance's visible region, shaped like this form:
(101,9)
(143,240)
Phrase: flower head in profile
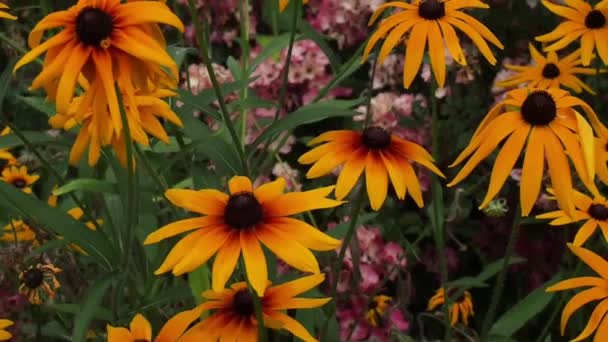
(461,309)
(283,4)
(19,177)
(5,323)
(141,330)
(600,149)
(431,21)
(593,211)
(145,111)
(234,317)
(583,21)
(5,15)
(39,283)
(546,125)
(381,154)
(236,223)
(377,310)
(6,157)
(596,290)
(550,72)
(99,42)
(19,230)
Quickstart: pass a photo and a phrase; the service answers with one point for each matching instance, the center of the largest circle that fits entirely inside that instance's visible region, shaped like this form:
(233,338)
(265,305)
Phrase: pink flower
(369,278)
(392,253)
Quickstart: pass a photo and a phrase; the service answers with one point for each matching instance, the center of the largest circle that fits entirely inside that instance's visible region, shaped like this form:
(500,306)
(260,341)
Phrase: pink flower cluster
(377,263)
(343,20)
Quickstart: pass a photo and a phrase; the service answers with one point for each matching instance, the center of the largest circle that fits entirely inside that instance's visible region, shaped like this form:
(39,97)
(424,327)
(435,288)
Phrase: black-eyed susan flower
(5,323)
(377,309)
(237,223)
(433,21)
(141,330)
(283,4)
(381,154)
(597,290)
(18,230)
(593,211)
(101,42)
(39,283)
(461,309)
(145,111)
(545,123)
(583,21)
(5,15)
(550,72)
(234,317)
(19,177)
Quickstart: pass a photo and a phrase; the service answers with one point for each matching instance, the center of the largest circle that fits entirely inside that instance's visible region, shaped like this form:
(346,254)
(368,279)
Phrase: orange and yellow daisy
(545,123)
(283,4)
(5,15)
(237,223)
(234,316)
(39,283)
(598,321)
(141,330)
(550,72)
(145,112)
(5,323)
(594,211)
(432,21)
(460,309)
(102,41)
(381,154)
(19,178)
(583,21)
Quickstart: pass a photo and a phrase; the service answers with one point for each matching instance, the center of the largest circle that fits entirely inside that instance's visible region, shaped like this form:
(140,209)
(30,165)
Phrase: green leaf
(312,34)
(200,281)
(29,207)
(87,184)
(480,280)
(36,138)
(179,53)
(5,79)
(39,103)
(90,307)
(74,309)
(340,230)
(311,113)
(526,309)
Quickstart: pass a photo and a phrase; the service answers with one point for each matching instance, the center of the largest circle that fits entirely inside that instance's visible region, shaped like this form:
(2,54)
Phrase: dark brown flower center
(242,303)
(93,26)
(376,138)
(595,19)
(431,9)
(19,183)
(3,163)
(243,211)
(539,108)
(33,278)
(550,71)
(598,212)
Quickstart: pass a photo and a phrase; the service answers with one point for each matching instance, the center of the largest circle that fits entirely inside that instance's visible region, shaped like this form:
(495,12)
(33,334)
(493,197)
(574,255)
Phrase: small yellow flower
(5,323)
(5,15)
(460,308)
(597,289)
(39,283)
(19,178)
(141,330)
(377,309)
(550,72)
(19,229)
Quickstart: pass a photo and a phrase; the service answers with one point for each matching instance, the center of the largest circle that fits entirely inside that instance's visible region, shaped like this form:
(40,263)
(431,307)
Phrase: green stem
(244,10)
(292,40)
(204,52)
(354,216)
(437,210)
(500,281)
(131,207)
(47,165)
(368,118)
